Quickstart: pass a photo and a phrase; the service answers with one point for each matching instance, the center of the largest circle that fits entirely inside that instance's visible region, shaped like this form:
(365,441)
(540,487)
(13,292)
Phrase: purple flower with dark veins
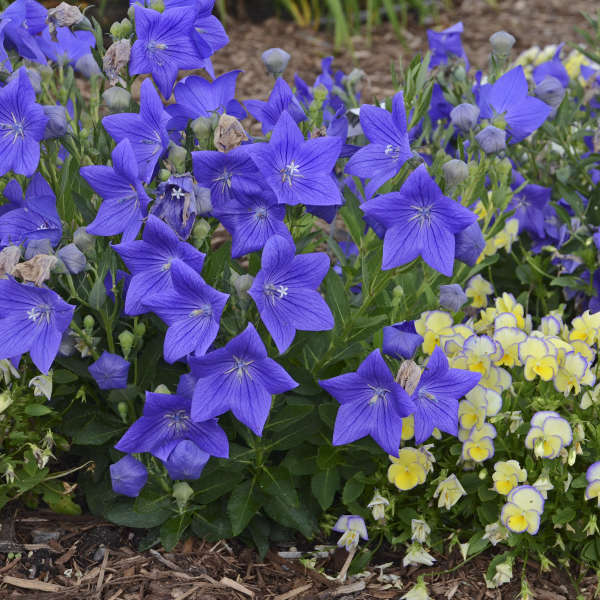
(239,377)
(285,293)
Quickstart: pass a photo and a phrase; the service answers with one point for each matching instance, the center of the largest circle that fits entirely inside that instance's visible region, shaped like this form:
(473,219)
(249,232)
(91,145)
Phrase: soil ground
(91,559)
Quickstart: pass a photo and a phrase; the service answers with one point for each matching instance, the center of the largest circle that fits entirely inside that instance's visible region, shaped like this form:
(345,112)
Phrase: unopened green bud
(202,127)
(241,283)
(164,174)
(200,232)
(123,411)
(83,240)
(182,492)
(161,388)
(88,323)
(502,43)
(126,340)
(320,93)
(483,474)
(131,13)
(139,330)
(398,291)
(116,98)
(177,158)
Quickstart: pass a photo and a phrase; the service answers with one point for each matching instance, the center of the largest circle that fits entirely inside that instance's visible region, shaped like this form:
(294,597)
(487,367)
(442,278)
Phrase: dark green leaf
(173,529)
(324,486)
(242,506)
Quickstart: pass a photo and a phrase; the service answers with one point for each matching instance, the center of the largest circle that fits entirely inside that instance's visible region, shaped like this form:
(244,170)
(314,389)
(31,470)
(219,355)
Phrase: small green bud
(200,232)
(126,341)
(202,128)
(139,330)
(398,291)
(320,93)
(164,174)
(131,13)
(483,474)
(162,389)
(182,492)
(123,411)
(241,283)
(126,27)
(88,323)
(177,158)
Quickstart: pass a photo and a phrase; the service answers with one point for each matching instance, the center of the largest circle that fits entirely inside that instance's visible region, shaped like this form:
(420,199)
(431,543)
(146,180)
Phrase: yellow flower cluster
(502,338)
(410,467)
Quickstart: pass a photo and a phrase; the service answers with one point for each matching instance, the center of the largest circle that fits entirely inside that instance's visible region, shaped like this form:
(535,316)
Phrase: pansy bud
(88,67)
(56,125)
(452,297)
(9,474)
(7,372)
(417,592)
(502,43)
(73,258)
(502,575)
(378,505)
(116,98)
(275,60)
(116,58)
(5,400)
(550,91)
(469,244)
(83,240)
(464,116)
(455,172)
(123,411)
(491,139)
(417,555)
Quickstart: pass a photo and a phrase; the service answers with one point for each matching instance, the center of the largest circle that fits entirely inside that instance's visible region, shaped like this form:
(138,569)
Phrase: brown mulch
(89,558)
(532,22)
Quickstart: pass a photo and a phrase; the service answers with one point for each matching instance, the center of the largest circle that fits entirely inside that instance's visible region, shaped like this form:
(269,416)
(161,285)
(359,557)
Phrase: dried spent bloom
(353,528)
(229,133)
(116,58)
(9,257)
(449,492)
(495,533)
(37,270)
(408,376)
(502,575)
(417,555)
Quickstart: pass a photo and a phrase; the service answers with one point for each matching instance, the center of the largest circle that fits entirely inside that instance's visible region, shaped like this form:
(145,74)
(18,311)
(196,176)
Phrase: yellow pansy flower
(549,434)
(539,359)
(507,475)
(478,289)
(431,325)
(586,327)
(408,469)
(509,339)
(572,368)
(518,520)
(479,447)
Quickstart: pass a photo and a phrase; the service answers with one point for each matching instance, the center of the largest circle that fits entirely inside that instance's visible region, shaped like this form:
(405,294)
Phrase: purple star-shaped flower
(529,204)
(164,45)
(150,260)
(239,377)
(192,310)
(146,131)
(252,220)
(110,371)
(228,175)
(281,98)
(388,150)
(437,394)
(508,105)
(419,221)
(197,97)
(31,218)
(372,403)
(165,422)
(298,171)
(22,126)
(285,294)
(125,200)
(446,44)
(32,320)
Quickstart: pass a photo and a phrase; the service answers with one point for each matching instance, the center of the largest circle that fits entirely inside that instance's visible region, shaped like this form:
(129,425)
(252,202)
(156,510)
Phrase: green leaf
(324,486)
(337,299)
(564,515)
(123,513)
(216,484)
(37,410)
(211,524)
(97,296)
(63,376)
(477,544)
(93,429)
(152,498)
(242,506)
(260,528)
(277,481)
(353,488)
(299,517)
(173,529)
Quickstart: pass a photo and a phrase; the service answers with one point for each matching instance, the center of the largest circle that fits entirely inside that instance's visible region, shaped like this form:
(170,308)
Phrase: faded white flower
(420,531)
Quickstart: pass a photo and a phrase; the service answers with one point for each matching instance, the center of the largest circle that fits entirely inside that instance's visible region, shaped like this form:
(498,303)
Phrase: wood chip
(102,570)
(32,584)
(197,587)
(68,555)
(293,593)
(238,587)
(116,594)
(164,561)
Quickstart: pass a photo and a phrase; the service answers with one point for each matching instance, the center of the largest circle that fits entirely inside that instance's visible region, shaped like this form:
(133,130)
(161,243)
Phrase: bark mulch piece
(92,559)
